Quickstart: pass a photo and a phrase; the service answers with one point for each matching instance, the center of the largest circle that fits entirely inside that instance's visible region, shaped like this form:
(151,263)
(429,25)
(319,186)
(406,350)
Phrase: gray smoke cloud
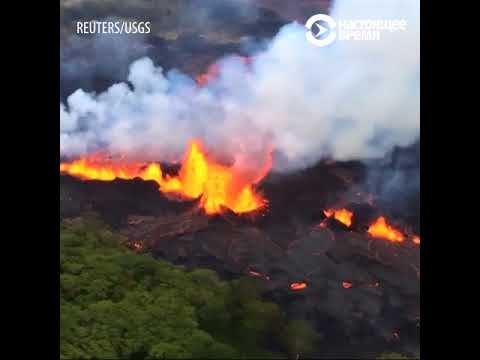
(395,183)
(106,57)
(350,100)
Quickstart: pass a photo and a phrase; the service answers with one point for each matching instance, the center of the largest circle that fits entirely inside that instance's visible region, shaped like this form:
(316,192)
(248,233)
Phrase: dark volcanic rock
(367,288)
(116,200)
(362,293)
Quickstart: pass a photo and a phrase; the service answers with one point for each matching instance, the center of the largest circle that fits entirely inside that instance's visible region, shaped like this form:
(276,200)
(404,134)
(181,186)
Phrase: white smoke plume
(350,100)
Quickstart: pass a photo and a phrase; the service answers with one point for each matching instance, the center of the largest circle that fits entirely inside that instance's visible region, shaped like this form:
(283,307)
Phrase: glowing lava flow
(216,185)
(342,215)
(416,240)
(213,71)
(101,167)
(380,229)
(298,286)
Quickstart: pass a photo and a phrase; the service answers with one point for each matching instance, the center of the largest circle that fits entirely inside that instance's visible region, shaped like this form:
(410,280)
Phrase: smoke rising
(85,61)
(351,100)
(396,183)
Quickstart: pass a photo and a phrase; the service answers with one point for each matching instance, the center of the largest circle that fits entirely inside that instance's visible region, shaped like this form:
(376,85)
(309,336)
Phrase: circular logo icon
(321,30)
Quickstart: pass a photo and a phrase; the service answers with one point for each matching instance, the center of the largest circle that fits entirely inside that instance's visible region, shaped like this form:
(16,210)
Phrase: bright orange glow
(346,285)
(216,185)
(298,286)
(328,213)
(342,215)
(416,240)
(380,229)
(100,167)
(213,71)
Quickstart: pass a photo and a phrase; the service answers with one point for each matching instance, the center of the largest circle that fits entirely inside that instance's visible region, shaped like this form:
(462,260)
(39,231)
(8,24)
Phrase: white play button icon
(321,30)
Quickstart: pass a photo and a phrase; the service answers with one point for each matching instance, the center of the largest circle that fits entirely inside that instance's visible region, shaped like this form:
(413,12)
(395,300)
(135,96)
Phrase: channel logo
(322,30)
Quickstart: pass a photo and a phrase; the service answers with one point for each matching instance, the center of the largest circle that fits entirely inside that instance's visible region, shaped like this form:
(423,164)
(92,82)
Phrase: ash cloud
(91,61)
(353,100)
(180,29)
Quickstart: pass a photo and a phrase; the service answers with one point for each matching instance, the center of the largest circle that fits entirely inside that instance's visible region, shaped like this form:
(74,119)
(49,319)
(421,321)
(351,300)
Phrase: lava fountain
(342,215)
(216,185)
(381,229)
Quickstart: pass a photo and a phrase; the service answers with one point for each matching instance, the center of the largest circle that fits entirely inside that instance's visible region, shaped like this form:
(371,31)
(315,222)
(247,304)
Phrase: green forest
(117,304)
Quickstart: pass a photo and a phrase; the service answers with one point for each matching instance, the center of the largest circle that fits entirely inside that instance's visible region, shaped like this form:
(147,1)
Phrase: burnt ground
(378,311)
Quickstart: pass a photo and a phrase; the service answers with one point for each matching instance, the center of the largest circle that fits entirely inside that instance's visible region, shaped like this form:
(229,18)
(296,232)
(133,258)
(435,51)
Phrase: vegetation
(118,304)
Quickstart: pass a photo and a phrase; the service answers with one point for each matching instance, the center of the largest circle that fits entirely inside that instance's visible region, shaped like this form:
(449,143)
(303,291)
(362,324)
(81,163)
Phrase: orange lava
(298,286)
(217,186)
(101,167)
(346,285)
(213,71)
(416,240)
(342,215)
(328,213)
(380,229)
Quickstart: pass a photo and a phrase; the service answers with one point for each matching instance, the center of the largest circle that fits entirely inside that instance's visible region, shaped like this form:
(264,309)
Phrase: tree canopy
(115,303)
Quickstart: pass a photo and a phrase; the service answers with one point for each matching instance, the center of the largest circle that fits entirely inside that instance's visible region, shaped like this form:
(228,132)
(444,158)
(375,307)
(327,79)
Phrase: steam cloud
(350,100)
